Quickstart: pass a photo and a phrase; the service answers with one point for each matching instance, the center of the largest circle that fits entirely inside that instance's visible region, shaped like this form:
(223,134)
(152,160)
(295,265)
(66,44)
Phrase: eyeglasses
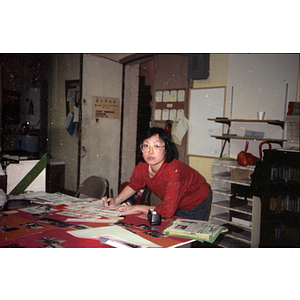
(146,147)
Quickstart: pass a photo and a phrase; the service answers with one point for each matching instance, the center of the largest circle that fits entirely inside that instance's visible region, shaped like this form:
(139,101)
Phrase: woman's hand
(131,208)
(135,208)
(108,202)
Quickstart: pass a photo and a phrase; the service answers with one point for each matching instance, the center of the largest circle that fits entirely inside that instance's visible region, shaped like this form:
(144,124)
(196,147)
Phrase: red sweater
(177,184)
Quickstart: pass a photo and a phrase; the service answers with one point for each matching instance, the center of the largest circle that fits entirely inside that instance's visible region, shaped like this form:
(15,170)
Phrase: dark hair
(164,135)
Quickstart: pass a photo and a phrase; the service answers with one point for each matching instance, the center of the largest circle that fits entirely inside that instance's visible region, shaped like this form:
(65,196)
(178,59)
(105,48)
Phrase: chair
(94,187)
(140,197)
(145,200)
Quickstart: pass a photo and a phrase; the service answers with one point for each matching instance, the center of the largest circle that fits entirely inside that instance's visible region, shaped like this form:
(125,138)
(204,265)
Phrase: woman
(184,192)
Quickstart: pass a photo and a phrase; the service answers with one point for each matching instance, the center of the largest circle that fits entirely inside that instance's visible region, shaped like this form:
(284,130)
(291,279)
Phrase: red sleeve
(137,180)
(173,194)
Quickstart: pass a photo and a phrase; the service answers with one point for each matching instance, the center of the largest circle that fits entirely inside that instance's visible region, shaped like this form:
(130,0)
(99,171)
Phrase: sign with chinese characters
(106,107)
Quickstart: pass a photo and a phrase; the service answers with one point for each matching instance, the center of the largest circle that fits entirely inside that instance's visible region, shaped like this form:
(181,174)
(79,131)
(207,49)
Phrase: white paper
(173,113)
(180,113)
(174,137)
(93,220)
(71,95)
(166,96)
(16,172)
(157,114)
(174,96)
(115,231)
(165,115)
(76,114)
(37,209)
(180,130)
(158,96)
(55,198)
(68,120)
(181,96)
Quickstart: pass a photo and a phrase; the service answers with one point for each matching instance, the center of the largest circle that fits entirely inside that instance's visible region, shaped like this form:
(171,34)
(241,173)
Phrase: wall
(100,139)
(217,77)
(61,145)
(170,72)
(130,121)
(274,71)
(66,66)
(261,82)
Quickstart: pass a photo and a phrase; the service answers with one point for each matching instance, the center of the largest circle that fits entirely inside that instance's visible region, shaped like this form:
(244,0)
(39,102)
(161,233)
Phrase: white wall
(259,82)
(217,78)
(222,65)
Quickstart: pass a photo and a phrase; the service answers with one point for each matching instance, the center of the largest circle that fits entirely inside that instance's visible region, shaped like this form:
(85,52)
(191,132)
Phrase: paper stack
(194,229)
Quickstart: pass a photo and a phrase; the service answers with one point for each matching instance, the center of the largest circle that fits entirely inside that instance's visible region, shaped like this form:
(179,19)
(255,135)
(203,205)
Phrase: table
(20,228)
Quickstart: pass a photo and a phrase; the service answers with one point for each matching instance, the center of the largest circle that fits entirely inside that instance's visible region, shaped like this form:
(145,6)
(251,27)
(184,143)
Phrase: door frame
(99,77)
(130,98)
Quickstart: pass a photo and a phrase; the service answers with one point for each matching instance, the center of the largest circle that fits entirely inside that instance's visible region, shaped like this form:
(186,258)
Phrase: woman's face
(154,151)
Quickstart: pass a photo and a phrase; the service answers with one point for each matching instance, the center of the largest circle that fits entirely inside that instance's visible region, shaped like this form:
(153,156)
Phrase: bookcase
(232,206)
(280,222)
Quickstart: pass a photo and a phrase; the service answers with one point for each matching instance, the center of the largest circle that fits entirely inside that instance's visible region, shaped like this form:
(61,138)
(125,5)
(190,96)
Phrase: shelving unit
(230,206)
(228,137)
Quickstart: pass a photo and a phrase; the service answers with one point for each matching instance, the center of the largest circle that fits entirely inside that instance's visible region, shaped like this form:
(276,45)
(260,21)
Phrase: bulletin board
(205,103)
(170,104)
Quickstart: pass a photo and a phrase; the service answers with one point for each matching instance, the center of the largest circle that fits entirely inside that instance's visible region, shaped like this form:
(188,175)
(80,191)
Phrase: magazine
(194,229)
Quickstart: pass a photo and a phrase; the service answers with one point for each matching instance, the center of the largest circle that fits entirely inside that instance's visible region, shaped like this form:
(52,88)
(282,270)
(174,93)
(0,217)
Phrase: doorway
(146,74)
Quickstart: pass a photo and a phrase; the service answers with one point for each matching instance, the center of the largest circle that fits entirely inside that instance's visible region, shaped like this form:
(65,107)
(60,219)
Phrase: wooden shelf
(228,137)
(228,121)
(246,209)
(232,163)
(229,242)
(232,137)
(241,181)
(244,236)
(224,217)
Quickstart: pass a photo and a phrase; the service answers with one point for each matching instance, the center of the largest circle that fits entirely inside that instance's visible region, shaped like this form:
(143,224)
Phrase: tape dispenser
(154,218)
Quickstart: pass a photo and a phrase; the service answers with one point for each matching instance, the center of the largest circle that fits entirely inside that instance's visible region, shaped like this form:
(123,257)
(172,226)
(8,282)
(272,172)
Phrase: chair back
(93,186)
(145,199)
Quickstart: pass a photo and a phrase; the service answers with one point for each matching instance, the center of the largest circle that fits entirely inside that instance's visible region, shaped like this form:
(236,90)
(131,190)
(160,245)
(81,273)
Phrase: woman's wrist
(120,199)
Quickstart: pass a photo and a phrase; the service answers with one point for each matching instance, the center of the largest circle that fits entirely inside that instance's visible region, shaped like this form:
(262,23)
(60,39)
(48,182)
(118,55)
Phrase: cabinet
(230,206)
(280,222)
(55,176)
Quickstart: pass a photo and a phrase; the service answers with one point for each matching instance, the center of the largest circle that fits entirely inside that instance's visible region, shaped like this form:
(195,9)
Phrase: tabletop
(36,225)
